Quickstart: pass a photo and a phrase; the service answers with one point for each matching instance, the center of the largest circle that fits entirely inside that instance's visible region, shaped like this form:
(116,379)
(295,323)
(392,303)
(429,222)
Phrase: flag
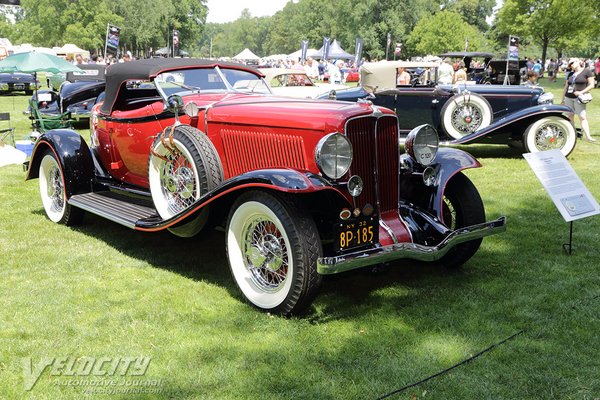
(398,48)
(326,44)
(358,50)
(304,50)
(111,44)
(513,52)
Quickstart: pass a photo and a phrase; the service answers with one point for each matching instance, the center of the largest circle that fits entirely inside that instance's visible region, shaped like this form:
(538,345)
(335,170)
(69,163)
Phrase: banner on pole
(513,52)
(326,45)
(304,50)
(111,46)
(358,50)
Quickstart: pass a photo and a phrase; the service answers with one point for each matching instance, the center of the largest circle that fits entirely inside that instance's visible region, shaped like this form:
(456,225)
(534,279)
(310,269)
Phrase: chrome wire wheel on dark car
(550,133)
(183,166)
(272,249)
(462,206)
(464,114)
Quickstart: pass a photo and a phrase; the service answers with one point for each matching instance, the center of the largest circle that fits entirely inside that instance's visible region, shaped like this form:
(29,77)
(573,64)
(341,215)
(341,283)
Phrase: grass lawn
(101,290)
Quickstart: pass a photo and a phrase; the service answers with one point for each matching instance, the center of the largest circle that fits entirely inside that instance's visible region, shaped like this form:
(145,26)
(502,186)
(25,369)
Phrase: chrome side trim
(389,230)
(346,262)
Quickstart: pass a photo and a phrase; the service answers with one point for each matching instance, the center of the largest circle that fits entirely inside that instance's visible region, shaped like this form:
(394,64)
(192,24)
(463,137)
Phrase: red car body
(306,187)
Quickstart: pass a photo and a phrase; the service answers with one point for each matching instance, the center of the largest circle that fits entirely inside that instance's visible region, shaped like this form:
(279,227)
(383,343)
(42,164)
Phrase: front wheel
(272,249)
(548,134)
(462,206)
(52,191)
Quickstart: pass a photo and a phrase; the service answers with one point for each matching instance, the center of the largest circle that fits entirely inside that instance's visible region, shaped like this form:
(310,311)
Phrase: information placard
(559,179)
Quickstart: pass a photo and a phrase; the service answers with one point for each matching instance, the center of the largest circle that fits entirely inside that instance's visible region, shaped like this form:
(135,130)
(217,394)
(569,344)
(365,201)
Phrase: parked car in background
(304,188)
(351,75)
(17,82)
(465,113)
(295,83)
(482,68)
(77,94)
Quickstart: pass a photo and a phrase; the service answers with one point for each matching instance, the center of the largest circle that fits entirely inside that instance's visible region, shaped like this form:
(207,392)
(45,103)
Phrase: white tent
(309,53)
(70,48)
(246,54)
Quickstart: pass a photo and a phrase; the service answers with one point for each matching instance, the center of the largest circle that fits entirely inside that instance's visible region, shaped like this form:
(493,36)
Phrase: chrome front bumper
(378,255)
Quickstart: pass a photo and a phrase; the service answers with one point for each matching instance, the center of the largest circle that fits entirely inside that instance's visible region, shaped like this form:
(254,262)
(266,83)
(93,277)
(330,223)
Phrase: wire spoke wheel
(183,166)
(272,249)
(464,114)
(550,133)
(467,118)
(54,193)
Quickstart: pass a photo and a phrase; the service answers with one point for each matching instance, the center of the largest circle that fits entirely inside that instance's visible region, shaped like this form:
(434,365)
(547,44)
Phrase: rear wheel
(53,192)
(462,207)
(272,249)
(550,133)
(183,166)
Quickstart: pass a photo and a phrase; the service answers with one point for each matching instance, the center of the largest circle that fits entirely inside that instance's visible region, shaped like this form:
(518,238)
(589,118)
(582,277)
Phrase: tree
(565,24)
(474,12)
(445,31)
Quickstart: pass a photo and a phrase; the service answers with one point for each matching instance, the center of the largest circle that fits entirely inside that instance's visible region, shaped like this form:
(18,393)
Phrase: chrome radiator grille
(375,160)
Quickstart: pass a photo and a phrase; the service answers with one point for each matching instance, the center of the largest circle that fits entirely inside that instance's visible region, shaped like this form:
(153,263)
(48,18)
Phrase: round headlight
(333,155)
(422,144)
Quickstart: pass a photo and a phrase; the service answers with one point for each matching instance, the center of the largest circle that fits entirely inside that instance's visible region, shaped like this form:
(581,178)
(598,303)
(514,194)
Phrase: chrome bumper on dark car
(378,255)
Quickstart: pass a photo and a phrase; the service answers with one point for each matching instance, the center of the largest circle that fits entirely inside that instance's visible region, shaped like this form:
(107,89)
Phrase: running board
(113,208)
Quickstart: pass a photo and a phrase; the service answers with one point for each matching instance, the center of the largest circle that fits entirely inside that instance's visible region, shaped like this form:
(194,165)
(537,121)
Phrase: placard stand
(568,247)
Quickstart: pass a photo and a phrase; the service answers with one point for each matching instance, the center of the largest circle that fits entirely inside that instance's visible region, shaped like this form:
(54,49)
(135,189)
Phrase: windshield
(209,80)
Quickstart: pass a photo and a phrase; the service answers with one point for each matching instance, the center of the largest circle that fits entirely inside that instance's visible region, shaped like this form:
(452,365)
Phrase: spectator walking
(580,80)
(537,68)
(551,70)
(597,71)
(460,75)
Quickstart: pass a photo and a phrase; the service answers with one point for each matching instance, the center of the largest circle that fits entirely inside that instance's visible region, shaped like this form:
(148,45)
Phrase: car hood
(16,77)
(282,111)
(494,89)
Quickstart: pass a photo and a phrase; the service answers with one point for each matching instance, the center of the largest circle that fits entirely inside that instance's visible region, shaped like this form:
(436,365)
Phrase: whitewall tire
(464,114)
(550,133)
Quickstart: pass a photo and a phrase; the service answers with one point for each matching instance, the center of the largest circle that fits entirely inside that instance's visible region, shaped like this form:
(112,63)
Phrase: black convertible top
(144,69)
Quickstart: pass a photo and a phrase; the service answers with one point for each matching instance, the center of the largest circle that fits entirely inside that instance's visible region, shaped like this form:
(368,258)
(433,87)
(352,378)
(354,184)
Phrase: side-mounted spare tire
(182,167)
(464,114)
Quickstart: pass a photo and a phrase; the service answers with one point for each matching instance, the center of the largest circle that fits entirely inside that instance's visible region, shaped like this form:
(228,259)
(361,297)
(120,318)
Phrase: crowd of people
(79,59)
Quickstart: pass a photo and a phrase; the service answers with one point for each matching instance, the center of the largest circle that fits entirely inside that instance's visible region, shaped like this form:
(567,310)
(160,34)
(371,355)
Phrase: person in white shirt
(335,75)
(311,69)
(445,72)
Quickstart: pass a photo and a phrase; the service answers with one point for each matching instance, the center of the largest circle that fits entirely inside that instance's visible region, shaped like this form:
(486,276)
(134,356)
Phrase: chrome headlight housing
(422,144)
(546,98)
(333,155)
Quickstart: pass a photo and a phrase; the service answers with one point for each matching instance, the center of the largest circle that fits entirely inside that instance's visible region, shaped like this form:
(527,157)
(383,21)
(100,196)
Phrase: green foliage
(566,25)
(445,31)
(144,24)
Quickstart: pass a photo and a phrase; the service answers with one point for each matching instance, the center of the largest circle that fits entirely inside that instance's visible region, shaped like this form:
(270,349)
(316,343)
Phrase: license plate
(356,233)
(19,86)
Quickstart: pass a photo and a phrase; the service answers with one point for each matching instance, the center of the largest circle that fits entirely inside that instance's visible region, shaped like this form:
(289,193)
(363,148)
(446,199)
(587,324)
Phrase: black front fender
(73,154)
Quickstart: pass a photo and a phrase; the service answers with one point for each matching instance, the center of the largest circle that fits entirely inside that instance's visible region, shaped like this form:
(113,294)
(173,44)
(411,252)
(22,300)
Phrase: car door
(416,106)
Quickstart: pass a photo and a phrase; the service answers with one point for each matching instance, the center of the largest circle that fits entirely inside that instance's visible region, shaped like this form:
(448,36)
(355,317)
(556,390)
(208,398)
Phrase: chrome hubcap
(466,118)
(549,137)
(265,254)
(178,182)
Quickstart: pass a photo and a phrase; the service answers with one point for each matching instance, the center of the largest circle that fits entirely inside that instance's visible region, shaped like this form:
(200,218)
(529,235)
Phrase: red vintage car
(303,187)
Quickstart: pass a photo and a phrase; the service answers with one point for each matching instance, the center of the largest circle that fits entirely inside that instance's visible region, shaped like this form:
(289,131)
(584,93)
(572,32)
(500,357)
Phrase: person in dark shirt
(580,80)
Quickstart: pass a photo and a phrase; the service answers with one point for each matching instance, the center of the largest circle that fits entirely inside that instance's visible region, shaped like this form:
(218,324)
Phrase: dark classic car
(465,113)
(491,71)
(304,187)
(77,94)
(17,82)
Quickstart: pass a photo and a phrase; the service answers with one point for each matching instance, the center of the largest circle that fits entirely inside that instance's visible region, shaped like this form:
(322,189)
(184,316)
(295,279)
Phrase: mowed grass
(101,290)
